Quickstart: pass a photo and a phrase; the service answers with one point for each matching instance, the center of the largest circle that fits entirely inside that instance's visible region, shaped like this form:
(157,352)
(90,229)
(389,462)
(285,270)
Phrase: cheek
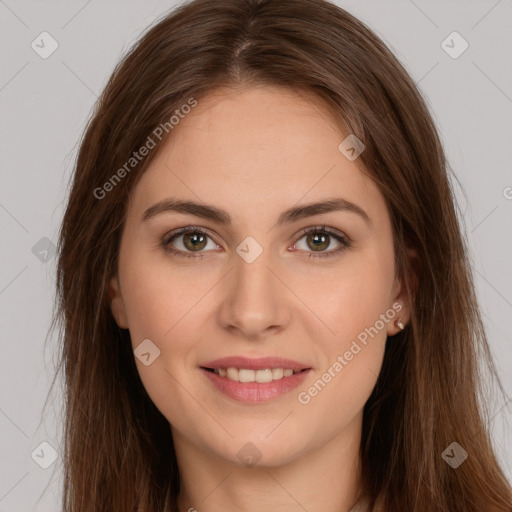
(352,357)
(160,307)
(157,294)
(147,300)
(355,304)
(352,297)
(347,297)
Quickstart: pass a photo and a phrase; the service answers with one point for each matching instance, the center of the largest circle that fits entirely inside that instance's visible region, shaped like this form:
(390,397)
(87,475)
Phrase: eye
(319,238)
(193,240)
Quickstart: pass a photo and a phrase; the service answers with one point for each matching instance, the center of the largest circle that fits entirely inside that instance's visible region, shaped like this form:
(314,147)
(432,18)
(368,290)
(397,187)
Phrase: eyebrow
(290,215)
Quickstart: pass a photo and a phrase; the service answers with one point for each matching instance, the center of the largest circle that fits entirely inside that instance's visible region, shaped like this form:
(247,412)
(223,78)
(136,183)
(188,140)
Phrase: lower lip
(254,392)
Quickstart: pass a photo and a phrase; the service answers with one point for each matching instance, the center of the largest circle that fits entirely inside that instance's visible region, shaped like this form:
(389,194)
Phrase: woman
(319,352)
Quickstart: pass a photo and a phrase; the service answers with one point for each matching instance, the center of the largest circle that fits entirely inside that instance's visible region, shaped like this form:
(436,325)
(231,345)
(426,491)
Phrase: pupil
(319,241)
(195,239)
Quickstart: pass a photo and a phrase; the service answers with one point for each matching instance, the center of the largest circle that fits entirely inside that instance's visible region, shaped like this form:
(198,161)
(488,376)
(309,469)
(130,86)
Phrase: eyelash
(170,237)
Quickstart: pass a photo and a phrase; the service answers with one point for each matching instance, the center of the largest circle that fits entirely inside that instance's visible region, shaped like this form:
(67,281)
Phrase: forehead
(254,148)
(271,121)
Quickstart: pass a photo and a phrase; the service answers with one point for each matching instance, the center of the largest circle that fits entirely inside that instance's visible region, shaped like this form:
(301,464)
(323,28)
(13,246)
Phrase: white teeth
(246,375)
(277,373)
(262,376)
(232,373)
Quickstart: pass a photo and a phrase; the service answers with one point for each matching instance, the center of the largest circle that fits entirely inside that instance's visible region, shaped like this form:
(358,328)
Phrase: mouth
(255,380)
(250,375)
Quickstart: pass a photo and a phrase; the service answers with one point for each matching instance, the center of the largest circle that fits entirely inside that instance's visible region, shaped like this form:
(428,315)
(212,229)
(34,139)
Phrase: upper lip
(260,363)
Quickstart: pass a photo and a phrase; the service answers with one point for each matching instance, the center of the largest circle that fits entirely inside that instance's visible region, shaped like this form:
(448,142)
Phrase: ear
(117,303)
(400,301)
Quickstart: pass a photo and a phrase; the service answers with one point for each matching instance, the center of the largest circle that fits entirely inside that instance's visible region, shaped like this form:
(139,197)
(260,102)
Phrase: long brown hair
(118,453)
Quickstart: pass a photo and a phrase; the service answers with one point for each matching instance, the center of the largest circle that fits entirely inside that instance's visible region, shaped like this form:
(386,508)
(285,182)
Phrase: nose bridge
(255,301)
(253,276)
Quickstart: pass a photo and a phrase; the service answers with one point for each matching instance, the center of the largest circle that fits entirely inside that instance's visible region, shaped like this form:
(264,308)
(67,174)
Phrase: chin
(261,451)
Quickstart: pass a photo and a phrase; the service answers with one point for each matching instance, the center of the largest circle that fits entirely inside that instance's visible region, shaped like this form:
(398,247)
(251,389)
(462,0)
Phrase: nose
(256,302)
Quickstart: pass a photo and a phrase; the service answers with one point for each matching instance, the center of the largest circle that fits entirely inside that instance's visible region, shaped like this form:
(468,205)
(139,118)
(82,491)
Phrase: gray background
(45,102)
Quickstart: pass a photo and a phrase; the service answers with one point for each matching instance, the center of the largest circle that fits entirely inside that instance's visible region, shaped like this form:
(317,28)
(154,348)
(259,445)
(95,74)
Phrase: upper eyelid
(187,229)
(321,228)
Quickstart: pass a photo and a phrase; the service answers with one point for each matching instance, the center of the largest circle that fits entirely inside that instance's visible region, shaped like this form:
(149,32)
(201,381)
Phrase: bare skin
(254,153)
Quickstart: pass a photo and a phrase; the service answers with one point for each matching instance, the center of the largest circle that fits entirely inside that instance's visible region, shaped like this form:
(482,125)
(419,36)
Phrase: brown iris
(194,240)
(320,241)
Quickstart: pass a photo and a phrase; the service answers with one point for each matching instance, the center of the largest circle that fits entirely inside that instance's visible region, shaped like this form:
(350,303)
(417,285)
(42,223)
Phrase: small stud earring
(399,324)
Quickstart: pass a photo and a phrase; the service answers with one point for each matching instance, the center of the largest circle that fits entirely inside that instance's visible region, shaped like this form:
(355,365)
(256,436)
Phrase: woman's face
(252,285)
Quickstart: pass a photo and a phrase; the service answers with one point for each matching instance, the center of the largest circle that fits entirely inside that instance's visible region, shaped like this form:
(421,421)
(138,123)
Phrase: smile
(248,375)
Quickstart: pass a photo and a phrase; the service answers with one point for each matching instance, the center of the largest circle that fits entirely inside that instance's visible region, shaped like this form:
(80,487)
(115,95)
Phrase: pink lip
(249,363)
(253,392)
